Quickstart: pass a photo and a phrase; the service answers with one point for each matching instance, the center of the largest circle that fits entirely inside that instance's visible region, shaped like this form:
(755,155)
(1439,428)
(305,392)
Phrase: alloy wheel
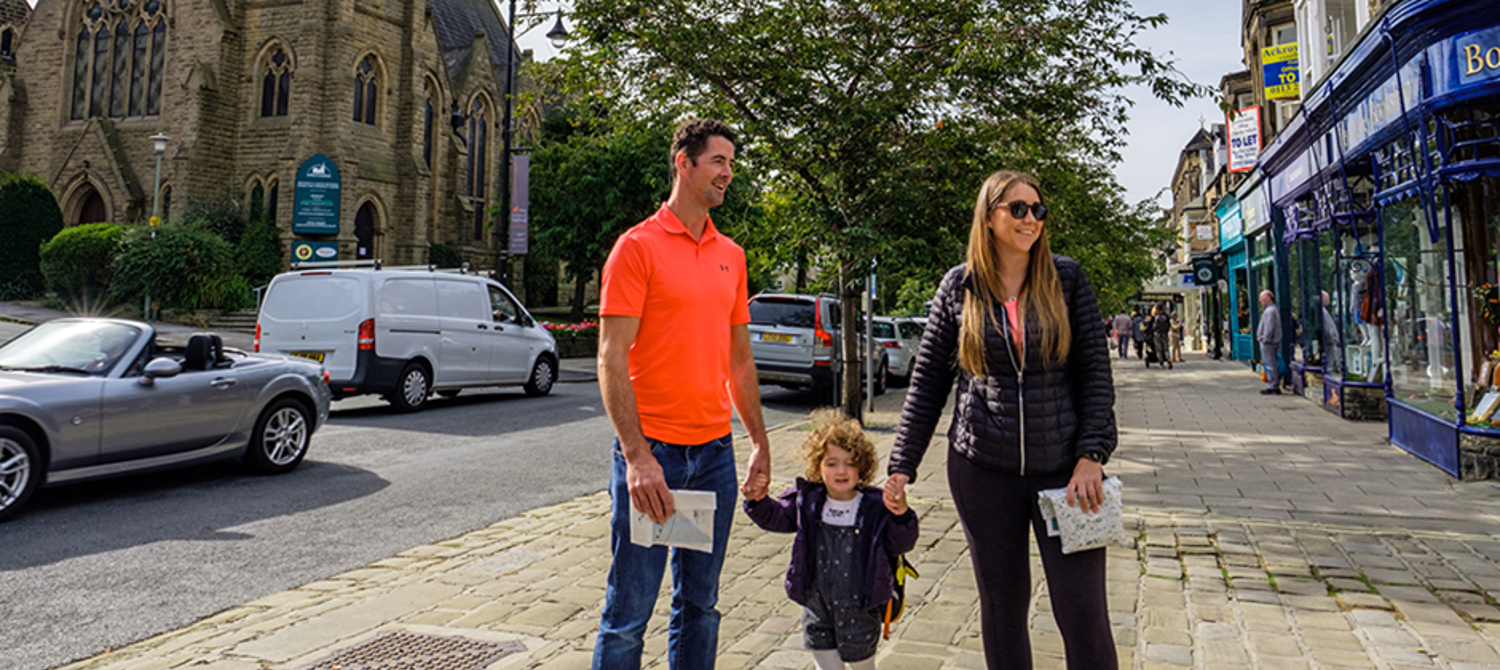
(15,472)
(542,376)
(285,436)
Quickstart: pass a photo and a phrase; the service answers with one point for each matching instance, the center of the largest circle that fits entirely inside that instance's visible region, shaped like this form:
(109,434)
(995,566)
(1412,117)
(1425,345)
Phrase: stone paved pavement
(1272,535)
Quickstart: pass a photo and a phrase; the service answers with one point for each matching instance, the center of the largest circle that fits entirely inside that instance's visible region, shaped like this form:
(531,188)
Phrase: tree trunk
(801,274)
(580,286)
(851,374)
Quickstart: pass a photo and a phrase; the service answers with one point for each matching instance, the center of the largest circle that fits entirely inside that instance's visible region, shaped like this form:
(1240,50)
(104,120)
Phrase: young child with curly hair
(841,571)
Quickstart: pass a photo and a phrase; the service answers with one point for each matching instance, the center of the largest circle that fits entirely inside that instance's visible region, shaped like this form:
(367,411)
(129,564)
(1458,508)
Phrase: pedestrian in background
(1138,333)
(842,571)
(1123,326)
(1268,333)
(1017,316)
(1161,336)
(1176,335)
(674,353)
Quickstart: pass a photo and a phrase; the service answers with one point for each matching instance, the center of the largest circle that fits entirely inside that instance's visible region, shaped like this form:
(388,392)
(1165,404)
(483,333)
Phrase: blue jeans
(635,572)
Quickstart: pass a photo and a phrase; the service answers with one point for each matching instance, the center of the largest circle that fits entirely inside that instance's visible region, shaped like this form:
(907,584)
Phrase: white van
(404,333)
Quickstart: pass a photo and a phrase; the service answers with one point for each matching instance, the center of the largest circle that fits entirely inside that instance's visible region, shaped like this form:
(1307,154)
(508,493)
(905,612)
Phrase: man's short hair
(691,137)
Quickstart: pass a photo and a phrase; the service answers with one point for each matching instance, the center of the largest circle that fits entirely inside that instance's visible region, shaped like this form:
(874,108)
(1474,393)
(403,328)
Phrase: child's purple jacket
(799,510)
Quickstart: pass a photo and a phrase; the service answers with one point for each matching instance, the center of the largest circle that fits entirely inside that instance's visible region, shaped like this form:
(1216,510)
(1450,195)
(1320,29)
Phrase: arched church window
(257,202)
(276,83)
(428,113)
(119,59)
(478,145)
(366,90)
(272,193)
(7,42)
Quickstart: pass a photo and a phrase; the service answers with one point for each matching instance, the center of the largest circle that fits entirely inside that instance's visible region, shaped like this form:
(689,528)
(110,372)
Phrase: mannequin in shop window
(1366,310)
(1333,350)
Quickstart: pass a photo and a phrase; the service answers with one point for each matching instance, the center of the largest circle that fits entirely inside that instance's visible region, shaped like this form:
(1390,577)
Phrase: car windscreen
(788,312)
(91,347)
(884,330)
(313,298)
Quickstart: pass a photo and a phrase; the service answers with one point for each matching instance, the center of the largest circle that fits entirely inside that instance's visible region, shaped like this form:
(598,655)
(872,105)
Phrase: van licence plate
(310,355)
(776,337)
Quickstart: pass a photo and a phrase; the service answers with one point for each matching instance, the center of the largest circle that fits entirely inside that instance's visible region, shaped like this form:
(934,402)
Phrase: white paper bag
(691,525)
(1080,530)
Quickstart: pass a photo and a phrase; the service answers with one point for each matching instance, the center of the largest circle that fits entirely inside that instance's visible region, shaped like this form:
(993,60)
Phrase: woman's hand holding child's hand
(756,486)
(895,494)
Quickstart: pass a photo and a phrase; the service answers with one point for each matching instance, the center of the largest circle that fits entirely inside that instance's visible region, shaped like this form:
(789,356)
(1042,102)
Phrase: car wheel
(20,470)
(280,439)
(880,384)
(412,389)
(450,393)
(543,376)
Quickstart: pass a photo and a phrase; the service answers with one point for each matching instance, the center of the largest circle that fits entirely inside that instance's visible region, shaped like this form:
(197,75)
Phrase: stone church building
(402,96)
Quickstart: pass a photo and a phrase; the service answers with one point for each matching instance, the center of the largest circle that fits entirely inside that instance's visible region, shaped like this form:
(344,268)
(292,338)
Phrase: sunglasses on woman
(1018,209)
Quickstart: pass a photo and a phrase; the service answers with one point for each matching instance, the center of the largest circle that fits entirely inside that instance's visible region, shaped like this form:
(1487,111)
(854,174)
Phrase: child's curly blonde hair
(835,429)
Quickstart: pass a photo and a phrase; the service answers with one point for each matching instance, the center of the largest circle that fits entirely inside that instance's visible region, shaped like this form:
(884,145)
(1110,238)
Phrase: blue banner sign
(304,251)
(1279,72)
(1465,60)
(315,208)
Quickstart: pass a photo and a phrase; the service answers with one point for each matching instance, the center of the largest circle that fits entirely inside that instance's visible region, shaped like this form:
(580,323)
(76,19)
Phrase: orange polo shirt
(688,294)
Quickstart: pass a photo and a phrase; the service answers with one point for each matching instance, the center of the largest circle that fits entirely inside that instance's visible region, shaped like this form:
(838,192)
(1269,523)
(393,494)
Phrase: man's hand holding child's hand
(756,486)
(895,494)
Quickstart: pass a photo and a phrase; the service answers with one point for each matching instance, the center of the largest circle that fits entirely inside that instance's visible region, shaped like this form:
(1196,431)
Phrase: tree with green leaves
(883,118)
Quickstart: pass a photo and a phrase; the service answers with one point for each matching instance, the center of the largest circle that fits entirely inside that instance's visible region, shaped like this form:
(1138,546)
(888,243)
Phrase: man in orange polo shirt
(674,353)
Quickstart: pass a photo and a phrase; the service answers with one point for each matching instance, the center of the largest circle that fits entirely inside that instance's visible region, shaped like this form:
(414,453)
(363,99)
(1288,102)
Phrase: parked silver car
(85,399)
(792,338)
(902,338)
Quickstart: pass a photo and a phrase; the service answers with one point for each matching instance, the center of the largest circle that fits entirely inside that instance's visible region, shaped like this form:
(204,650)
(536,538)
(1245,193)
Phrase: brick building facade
(402,95)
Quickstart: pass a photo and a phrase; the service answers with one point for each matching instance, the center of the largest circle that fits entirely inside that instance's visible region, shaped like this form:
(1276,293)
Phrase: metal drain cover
(403,650)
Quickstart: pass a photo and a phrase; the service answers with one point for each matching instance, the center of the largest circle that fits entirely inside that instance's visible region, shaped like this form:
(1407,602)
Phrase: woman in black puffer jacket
(1020,330)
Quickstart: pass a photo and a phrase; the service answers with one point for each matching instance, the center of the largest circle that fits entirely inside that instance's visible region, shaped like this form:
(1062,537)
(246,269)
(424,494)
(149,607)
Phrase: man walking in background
(1268,333)
(1123,326)
(674,353)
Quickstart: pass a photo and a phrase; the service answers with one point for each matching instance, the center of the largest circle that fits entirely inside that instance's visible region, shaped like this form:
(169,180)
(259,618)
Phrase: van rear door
(315,315)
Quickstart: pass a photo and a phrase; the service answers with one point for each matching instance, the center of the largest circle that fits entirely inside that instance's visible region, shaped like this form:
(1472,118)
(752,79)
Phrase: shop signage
(1465,60)
(1279,71)
(1251,210)
(315,209)
(304,251)
(1263,259)
(1383,106)
(1159,296)
(1244,139)
(519,204)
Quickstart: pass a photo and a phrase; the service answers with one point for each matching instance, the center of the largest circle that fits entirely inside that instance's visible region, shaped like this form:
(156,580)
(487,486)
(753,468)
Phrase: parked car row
(793,339)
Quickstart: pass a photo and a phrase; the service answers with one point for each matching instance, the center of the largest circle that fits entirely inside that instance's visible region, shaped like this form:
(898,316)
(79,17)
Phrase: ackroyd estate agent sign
(316,209)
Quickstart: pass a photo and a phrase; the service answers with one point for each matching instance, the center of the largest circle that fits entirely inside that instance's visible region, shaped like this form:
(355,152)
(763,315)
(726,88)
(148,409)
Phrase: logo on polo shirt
(723,267)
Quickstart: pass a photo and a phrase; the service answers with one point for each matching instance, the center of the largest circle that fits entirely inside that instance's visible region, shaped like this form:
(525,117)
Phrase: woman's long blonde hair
(1041,293)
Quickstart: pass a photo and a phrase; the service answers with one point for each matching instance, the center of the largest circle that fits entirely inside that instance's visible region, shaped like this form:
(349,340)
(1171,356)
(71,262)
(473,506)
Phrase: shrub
(77,261)
(258,255)
(221,214)
(443,256)
(29,216)
(185,267)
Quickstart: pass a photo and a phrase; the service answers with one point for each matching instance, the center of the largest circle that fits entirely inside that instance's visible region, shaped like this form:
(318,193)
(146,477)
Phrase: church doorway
(93,210)
(364,232)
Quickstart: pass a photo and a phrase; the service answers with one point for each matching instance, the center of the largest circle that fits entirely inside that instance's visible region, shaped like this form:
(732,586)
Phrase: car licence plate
(309,355)
(776,337)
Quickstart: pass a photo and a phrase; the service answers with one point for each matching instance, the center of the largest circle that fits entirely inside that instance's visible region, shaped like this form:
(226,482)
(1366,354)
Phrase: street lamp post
(160,142)
(559,36)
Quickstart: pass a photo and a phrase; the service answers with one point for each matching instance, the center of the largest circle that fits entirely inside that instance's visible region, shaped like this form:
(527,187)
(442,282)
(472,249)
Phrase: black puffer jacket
(1068,408)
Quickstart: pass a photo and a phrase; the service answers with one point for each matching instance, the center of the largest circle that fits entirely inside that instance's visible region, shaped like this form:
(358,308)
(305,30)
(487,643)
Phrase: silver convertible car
(90,398)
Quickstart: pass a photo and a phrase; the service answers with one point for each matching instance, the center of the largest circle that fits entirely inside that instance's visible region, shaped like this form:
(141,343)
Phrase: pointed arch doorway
(366,229)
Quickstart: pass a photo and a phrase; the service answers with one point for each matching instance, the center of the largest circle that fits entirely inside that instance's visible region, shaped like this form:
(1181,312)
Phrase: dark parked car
(85,399)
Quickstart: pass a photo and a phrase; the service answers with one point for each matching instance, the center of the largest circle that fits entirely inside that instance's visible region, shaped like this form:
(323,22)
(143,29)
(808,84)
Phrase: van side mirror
(164,368)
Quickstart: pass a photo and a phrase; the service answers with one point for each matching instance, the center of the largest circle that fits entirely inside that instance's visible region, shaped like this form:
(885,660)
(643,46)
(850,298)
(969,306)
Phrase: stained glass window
(121,77)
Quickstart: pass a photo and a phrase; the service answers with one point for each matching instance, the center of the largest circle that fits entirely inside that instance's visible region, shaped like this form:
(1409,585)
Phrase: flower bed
(575,340)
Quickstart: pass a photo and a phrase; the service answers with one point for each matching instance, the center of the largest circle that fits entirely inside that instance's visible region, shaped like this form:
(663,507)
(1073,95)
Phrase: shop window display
(1474,209)
(1360,311)
(1242,301)
(1418,310)
(1328,286)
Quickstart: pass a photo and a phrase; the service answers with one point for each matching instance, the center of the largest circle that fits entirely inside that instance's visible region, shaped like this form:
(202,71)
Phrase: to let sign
(1279,71)
(1244,139)
(316,207)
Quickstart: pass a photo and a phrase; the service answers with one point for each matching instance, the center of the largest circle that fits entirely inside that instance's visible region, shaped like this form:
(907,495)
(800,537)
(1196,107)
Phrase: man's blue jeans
(635,572)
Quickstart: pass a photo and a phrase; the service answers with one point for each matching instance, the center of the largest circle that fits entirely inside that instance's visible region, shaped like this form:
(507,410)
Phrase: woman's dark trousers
(997,511)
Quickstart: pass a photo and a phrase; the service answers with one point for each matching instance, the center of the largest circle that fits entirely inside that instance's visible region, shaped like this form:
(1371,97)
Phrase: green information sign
(316,205)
